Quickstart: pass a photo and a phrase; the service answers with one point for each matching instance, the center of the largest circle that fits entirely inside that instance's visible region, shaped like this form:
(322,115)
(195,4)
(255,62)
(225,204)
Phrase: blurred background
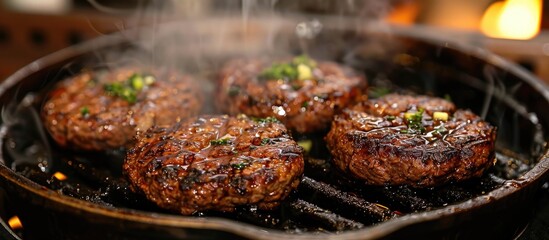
(515,29)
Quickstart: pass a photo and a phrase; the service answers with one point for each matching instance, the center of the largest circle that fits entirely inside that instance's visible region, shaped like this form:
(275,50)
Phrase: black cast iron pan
(495,206)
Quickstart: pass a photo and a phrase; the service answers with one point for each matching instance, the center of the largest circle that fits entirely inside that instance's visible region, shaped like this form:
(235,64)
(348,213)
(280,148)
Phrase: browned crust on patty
(182,169)
(304,106)
(371,146)
(111,121)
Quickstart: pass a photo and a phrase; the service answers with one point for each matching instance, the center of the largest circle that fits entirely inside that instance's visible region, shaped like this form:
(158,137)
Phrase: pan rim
(537,174)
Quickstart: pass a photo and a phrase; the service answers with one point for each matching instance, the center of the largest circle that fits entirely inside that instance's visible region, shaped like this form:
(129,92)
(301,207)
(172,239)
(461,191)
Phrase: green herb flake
(447,97)
(414,120)
(219,142)
(239,166)
(265,141)
(113,89)
(129,89)
(84,111)
(279,71)
(129,95)
(305,104)
(137,82)
(390,118)
(300,68)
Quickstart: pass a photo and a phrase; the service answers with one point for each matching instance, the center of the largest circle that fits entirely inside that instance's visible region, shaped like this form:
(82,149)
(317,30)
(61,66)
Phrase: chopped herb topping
(266,120)
(85,111)
(305,104)
(447,97)
(218,142)
(277,71)
(265,141)
(129,89)
(300,68)
(414,120)
(239,166)
(390,118)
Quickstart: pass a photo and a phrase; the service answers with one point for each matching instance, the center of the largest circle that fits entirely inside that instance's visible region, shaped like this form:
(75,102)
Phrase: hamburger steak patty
(101,110)
(215,163)
(411,140)
(301,93)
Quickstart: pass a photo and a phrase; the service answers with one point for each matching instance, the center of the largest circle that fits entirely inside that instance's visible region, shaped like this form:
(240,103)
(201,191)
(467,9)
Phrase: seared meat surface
(215,163)
(301,93)
(105,109)
(411,140)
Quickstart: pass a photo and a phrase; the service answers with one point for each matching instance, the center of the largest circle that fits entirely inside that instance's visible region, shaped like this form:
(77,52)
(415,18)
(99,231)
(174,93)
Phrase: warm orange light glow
(60,176)
(15,223)
(404,13)
(512,19)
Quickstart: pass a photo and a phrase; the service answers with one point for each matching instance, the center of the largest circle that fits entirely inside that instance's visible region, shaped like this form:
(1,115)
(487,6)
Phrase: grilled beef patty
(304,97)
(101,110)
(215,163)
(405,140)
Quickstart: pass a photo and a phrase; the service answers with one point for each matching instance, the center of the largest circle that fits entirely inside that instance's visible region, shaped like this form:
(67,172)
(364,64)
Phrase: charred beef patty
(411,140)
(104,109)
(215,163)
(301,93)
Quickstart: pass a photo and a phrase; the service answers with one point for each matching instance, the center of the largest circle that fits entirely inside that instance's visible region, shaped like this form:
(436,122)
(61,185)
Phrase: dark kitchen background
(515,29)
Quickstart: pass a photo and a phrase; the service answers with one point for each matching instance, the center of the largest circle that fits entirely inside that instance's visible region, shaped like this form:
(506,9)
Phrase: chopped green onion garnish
(415,124)
(239,166)
(85,111)
(300,68)
(266,141)
(218,142)
(390,118)
(129,89)
(137,82)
